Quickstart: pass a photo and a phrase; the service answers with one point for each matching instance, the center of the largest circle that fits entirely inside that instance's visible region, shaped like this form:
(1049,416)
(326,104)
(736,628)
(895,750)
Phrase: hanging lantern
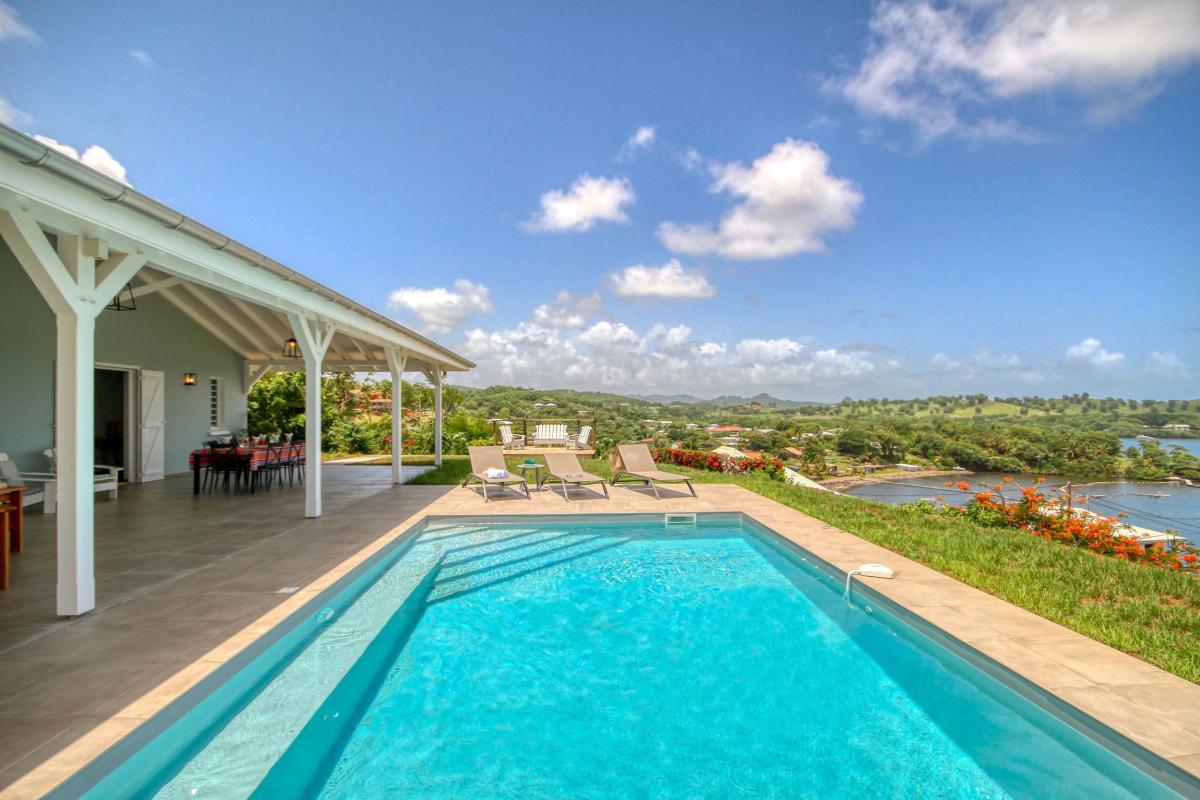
(291,349)
(124,301)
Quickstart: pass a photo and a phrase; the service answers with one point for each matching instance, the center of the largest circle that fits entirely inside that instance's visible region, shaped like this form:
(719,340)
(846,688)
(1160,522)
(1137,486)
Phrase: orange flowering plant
(1052,519)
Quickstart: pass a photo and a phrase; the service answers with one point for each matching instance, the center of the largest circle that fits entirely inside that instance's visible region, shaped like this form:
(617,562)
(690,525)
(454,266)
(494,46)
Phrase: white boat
(1152,494)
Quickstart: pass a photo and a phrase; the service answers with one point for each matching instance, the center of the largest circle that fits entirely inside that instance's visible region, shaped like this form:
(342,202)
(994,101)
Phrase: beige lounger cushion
(566,467)
(637,461)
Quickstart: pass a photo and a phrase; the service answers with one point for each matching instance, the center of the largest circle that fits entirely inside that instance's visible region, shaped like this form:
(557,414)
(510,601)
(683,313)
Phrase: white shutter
(151,420)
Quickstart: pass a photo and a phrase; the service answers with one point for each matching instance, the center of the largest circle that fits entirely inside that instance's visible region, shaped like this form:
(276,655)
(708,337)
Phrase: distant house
(909,467)
(380,404)
(726,429)
(691,426)
(728,452)
(1177,426)
(794,452)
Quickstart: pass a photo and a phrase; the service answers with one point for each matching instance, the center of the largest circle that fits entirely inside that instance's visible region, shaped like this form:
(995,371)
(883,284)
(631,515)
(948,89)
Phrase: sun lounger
(565,468)
(635,461)
(491,458)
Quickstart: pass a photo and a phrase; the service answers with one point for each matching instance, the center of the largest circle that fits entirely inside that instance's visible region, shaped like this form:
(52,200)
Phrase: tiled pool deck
(188,582)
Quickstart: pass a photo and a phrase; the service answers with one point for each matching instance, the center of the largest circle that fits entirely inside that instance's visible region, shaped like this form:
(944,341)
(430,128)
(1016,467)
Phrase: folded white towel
(492,473)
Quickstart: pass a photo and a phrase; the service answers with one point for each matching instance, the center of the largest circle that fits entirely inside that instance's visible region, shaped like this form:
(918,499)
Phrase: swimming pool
(613,657)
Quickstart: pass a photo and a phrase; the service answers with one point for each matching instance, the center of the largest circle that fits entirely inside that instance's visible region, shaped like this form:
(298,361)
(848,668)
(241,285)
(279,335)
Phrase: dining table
(251,459)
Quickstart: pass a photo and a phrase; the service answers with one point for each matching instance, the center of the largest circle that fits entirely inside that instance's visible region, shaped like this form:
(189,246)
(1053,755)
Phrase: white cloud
(985,366)
(768,350)
(641,140)
(441,310)
(671,281)
(938,66)
(12,116)
(94,156)
(588,201)
(788,202)
(567,310)
(13,28)
(613,355)
(1169,364)
(142,57)
(1090,352)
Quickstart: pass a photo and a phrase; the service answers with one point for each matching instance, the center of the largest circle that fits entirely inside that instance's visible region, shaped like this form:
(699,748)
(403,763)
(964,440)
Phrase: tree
(853,442)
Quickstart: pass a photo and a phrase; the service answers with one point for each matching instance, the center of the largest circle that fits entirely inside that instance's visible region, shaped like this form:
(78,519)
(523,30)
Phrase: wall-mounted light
(189,379)
(291,349)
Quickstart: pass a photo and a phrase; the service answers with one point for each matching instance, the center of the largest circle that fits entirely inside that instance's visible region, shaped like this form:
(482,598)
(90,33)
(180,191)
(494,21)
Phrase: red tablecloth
(255,455)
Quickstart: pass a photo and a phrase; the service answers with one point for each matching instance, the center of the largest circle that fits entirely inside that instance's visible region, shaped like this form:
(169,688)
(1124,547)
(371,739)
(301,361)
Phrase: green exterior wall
(156,336)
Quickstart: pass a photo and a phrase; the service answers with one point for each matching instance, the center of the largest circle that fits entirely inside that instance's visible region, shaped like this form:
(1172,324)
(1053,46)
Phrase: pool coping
(1153,709)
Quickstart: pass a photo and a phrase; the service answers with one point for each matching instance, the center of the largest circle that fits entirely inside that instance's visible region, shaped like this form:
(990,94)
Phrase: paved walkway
(191,581)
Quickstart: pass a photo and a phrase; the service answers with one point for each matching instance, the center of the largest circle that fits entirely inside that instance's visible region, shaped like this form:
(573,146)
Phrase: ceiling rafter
(225,314)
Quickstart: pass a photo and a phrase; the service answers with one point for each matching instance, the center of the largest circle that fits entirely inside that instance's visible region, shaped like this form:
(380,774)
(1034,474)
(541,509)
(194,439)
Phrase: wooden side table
(12,528)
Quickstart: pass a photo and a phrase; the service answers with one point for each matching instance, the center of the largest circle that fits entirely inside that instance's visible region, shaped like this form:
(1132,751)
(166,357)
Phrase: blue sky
(893,199)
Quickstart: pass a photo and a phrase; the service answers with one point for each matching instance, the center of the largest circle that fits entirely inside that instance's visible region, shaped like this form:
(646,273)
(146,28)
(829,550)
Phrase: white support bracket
(396,360)
(254,373)
(314,336)
(436,375)
(77,277)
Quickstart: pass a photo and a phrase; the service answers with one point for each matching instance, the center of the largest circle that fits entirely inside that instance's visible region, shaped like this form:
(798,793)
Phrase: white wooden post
(437,416)
(396,361)
(314,337)
(76,288)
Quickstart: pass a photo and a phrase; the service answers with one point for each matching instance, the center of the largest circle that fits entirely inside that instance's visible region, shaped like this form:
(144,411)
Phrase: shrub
(699,459)
(1051,519)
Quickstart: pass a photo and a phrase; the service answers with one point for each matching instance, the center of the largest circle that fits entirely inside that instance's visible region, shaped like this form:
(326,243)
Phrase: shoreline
(855,481)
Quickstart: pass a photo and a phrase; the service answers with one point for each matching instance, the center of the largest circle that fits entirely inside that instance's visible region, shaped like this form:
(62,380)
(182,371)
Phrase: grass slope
(1149,613)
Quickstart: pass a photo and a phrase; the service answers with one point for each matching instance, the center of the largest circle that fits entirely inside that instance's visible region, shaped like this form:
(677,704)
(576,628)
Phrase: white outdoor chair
(550,433)
(12,477)
(509,440)
(106,480)
(580,440)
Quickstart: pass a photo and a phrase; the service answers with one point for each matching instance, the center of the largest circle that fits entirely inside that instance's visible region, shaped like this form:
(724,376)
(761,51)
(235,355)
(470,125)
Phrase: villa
(129,322)
(173,642)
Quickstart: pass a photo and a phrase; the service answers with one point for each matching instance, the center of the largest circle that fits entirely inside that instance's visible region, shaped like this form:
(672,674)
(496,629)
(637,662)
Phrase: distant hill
(725,400)
(667,399)
(763,399)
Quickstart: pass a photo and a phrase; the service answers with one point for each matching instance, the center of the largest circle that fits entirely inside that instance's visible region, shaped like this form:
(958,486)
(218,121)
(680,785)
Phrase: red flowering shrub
(699,459)
(1049,519)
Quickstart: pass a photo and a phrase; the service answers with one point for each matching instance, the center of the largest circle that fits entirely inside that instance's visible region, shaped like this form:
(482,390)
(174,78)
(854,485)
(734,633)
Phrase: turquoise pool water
(608,659)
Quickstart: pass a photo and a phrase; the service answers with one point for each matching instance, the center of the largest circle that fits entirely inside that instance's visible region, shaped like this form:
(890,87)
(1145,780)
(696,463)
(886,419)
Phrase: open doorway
(115,420)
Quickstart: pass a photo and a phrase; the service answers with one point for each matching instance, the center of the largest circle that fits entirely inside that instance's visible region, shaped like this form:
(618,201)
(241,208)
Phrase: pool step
(490,566)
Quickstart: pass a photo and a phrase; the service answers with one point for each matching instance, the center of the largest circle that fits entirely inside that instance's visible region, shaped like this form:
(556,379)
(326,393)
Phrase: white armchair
(580,440)
(510,440)
(11,476)
(106,480)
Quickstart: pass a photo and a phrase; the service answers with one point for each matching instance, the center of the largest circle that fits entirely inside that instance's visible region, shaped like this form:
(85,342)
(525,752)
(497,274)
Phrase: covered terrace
(71,242)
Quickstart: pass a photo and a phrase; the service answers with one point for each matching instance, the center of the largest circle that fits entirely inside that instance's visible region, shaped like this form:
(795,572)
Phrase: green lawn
(1150,613)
